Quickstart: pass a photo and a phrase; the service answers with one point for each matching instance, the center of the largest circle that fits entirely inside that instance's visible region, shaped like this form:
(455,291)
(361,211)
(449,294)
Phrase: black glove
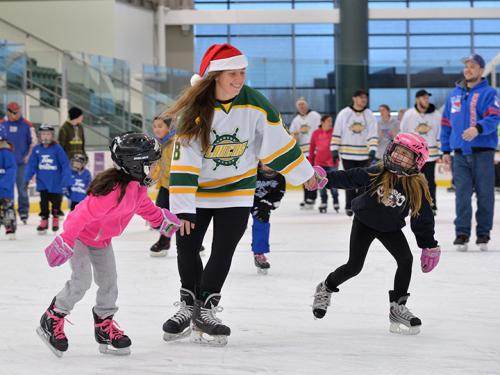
(335,155)
(262,210)
(372,155)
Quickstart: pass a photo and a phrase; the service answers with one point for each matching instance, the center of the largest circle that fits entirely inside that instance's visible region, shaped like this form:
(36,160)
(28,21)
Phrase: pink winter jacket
(96,220)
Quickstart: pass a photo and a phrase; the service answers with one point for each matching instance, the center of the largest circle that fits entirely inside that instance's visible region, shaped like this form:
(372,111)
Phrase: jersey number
(177,151)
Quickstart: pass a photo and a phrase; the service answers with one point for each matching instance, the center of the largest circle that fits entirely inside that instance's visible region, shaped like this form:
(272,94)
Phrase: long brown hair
(415,187)
(195,111)
(106,181)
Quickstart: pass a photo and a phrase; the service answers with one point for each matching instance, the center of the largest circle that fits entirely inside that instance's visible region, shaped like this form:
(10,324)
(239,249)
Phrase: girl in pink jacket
(113,198)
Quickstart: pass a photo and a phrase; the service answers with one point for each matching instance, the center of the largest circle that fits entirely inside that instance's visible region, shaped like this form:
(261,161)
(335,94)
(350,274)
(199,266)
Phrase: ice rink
(273,330)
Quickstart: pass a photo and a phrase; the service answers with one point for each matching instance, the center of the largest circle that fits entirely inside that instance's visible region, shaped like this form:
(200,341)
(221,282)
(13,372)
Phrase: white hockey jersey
(305,126)
(355,134)
(428,125)
(243,132)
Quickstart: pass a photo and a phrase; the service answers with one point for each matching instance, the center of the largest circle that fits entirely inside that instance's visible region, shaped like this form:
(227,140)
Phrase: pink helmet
(413,142)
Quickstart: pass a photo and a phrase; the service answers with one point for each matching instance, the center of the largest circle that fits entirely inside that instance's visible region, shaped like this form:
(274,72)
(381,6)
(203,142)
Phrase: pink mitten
(430,258)
(321,179)
(170,224)
(58,252)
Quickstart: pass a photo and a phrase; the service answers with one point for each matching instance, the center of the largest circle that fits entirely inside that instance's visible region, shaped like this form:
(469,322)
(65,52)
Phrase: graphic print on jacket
(394,199)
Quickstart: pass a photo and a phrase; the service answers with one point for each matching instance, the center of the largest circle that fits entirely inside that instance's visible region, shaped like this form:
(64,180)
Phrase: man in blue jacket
(469,129)
(19,135)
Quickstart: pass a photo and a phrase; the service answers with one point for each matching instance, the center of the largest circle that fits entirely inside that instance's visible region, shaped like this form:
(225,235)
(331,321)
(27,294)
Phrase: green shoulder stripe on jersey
(251,97)
(183,179)
(246,183)
(286,159)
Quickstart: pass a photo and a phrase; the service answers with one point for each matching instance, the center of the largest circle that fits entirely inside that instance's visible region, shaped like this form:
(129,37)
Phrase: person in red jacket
(320,154)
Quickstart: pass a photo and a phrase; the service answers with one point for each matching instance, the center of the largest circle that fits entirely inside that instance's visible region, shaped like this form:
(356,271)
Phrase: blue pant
(260,236)
(474,173)
(23,202)
(324,192)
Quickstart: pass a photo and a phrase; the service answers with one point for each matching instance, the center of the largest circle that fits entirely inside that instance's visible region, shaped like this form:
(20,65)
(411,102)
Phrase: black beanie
(74,112)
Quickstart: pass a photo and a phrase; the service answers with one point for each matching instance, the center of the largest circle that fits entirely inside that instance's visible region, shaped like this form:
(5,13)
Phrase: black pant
(429,170)
(229,226)
(353,193)
(54,198)
(361,238)
(309,196)
(162,200)
(497,174)
(73,205)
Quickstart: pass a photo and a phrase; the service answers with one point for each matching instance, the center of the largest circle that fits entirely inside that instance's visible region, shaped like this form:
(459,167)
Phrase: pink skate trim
(111,327)
(260,258)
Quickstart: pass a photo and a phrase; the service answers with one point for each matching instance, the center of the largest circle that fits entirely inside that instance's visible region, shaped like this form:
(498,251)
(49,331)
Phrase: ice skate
(179,326)
(308,204)
(336,207)
(24,219)
(55,223)
(262,264)
(207,328)
(322,299)
(461,242)
(482,242)
(322,208)
(44,225)
(402,320)
(51,330)
(10,232)
(349,212)
(110,338)
(160,248)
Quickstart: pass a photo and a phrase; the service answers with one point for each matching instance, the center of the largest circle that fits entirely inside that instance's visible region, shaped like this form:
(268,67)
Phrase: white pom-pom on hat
(195,78)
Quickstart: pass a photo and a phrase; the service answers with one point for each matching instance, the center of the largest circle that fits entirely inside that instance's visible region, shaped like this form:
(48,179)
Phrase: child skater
(8,167)
(269,191)
(49,163)
(114,197)
(395,187)
(80,180)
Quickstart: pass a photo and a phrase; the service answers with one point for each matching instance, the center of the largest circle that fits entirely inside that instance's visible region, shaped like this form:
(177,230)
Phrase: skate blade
(11,236)
(483,247)
(462,248)
(262,271)
(42,232)
(108,349)
(404,330)
(158,254)
(199,337)
(177,336)
(45,338)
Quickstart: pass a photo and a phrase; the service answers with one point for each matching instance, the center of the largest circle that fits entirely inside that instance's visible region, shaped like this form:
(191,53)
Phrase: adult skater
(395,187)
(114,197)
(224,128)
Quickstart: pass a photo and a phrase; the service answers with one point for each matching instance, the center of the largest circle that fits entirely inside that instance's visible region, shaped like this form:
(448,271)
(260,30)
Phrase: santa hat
(220,57)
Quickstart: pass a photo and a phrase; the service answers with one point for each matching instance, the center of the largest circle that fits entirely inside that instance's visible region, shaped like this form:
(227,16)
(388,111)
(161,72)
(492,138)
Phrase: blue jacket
(51,166)
(80,183)
(18,134)
(464,108)
(8,169)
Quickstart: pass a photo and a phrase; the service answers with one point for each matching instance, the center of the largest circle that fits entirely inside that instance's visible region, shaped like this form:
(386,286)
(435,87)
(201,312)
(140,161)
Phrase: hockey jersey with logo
(244,131)
(355,134)
(304,126)
(428,125)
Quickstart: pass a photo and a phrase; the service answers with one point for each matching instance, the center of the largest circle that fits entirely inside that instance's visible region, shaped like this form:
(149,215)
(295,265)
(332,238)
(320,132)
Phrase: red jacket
(319,149)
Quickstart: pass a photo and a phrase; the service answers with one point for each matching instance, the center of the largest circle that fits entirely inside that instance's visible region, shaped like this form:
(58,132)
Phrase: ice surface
(273,331)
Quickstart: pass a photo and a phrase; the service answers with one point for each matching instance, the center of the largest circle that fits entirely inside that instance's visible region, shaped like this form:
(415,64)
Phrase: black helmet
(78,161)
(46,128)
(133,153)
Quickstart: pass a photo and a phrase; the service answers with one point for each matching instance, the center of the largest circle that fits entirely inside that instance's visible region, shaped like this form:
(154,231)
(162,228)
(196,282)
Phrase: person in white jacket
(355,139)
(425,120)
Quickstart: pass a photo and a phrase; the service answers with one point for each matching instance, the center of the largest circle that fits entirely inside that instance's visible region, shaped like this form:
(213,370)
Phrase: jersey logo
(456,103)
(395,198)
(226,150)
(423,128)
(304,129)
(357,127)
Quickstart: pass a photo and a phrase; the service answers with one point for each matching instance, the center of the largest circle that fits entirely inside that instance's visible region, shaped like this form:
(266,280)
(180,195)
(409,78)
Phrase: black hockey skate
(44,225)
(308,204)
(402,320)
(207,328)
(322,299)
(336,207)
(179,326)
(110,338)
(161,247)
(261,263)
(482,241)
(349,212)
(10,232)
(322,208)
(461,242)
(55,223)
(51,330)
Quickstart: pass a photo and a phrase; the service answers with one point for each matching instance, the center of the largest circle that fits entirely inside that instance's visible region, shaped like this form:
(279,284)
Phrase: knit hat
(74,112)
(220,57)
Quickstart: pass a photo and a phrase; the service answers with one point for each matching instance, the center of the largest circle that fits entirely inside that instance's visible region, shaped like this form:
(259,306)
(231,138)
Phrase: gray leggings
(85,260)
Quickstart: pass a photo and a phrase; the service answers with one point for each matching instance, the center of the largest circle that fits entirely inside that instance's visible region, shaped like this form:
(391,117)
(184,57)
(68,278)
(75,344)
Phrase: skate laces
(111,327)
(322,298)
(208,315)
(260,258)
(58,325)
(184,312)
(404,312)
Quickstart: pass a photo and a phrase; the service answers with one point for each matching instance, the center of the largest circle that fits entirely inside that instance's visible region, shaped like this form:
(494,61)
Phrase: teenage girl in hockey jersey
(114,197)
(224,128)
(394,187)
(8,167)
(49,163)
(320,153)
(271,187)
(80,180)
